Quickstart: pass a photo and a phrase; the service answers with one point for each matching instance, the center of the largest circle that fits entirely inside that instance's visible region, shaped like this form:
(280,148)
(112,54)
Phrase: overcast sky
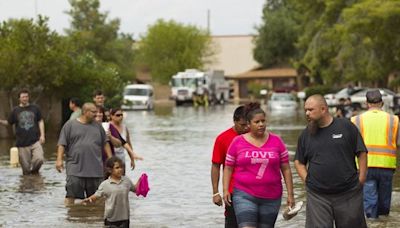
(228,17)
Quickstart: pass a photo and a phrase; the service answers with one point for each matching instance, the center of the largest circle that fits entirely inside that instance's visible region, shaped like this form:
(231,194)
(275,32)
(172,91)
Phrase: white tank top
(121,152)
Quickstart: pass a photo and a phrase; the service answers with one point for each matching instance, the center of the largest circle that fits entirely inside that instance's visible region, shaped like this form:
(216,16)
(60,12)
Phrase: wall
(234,54)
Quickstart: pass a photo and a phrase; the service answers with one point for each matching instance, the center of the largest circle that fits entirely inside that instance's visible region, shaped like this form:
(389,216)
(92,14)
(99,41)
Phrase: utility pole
(208,21)
(36,8)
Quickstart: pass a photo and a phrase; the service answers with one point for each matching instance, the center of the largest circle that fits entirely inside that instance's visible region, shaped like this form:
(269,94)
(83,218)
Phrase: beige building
(234,54)
(282,79)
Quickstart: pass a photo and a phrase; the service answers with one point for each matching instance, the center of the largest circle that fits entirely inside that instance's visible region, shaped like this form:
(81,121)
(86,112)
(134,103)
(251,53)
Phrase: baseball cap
(374,96)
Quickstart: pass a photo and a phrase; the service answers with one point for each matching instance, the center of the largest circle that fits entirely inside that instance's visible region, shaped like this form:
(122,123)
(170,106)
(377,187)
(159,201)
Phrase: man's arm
(42,138)
(60,156)
(107,149)
(363,166)
(301,170)
(215,172)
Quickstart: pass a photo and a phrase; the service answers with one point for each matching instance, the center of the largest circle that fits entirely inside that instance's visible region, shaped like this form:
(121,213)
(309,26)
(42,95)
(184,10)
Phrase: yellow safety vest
(379,131)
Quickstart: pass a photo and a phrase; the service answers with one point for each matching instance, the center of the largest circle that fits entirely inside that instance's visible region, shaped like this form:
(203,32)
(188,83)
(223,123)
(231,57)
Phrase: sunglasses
(118,115)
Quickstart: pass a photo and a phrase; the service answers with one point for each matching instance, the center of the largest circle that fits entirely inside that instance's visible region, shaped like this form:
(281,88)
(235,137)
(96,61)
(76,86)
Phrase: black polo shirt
(330,156)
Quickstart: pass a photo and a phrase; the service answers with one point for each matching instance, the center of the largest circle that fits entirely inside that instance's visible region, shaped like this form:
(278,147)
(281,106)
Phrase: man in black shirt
(29,133)
(325,161)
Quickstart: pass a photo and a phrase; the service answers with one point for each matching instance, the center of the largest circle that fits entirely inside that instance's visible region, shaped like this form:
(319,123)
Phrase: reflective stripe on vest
(379,131)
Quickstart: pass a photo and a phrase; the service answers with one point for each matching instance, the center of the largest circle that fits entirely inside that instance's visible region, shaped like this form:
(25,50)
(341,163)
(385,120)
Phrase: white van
(138,96)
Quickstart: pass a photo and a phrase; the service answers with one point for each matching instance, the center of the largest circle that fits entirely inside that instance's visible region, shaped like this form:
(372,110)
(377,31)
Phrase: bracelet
(216,194)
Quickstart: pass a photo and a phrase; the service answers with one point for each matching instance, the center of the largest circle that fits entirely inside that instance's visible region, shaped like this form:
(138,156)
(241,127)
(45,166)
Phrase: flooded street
(176,144)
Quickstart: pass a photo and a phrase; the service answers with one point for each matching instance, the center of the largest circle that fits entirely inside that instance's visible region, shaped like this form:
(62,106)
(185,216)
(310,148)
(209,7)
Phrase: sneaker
(290,212)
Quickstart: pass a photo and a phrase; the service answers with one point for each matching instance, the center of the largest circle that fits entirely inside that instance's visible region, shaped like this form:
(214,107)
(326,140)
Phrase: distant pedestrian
(380,131)
(116,190)
(75,107)
(99,98)
(340,111)
(260,159)
(221,146)
(325,161)
(29,133)
(349,109)
(82,140)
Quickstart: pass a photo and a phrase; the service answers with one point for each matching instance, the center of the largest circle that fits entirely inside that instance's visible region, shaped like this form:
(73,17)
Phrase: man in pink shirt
(221,146)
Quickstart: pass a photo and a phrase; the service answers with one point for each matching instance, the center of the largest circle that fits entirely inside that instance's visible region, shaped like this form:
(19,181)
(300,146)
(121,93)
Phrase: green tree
(94,35)
(170,47)
(32,57)
(370,35)
(349,41)
(277,35)
(49,65)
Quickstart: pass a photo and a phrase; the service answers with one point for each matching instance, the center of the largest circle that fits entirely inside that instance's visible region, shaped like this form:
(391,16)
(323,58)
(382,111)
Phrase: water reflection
(31,184)
(86,214)
(176,144)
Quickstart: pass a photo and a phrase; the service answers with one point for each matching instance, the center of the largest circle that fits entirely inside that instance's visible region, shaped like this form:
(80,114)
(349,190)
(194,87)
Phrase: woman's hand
(137,157)
(290,201)
(132,164)
(227,198)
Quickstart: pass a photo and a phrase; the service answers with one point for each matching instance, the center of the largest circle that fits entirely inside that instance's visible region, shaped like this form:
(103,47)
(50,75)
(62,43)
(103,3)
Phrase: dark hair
(114,110)
(102,110)
(76,101)
(98,93)
(22,91)
(239,113)
(251,109)
(110,164)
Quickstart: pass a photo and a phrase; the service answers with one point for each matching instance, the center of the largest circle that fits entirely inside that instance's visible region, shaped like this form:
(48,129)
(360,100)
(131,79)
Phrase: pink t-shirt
(258,169)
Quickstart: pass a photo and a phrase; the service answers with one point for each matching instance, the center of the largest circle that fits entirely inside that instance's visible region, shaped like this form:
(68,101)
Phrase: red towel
(142,187)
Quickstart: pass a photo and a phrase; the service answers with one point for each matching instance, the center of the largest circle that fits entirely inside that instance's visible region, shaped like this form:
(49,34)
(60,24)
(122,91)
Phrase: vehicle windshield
(346,92)
(283,97)
(137,92)
(184,82)
(384,92)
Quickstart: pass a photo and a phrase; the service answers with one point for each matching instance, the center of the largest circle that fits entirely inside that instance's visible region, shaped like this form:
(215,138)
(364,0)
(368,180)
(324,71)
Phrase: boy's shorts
(81,187)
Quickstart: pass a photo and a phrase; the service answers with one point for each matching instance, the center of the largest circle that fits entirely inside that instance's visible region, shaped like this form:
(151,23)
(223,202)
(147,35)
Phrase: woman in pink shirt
(258,157)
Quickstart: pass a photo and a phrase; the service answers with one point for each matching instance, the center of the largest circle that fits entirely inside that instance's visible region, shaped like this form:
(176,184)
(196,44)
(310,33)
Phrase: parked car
(138,96)
(359,100)
(332,99)
(282,101)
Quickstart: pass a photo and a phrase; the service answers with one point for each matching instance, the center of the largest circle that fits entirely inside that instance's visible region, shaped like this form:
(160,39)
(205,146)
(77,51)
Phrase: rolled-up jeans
(378,192)
(253,211)
(31,158)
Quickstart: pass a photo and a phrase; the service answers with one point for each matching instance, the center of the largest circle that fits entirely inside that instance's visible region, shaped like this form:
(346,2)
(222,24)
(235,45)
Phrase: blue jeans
(378,192)
(253,211)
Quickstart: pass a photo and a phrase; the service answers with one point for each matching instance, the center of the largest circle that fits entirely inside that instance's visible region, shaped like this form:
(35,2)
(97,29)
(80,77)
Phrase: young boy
(115,189)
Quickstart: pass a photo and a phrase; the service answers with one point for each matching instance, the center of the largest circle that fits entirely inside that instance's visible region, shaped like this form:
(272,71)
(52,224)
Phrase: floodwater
(176,143)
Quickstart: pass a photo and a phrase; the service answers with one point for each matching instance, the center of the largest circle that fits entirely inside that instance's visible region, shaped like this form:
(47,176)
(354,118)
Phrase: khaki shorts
(31,158)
